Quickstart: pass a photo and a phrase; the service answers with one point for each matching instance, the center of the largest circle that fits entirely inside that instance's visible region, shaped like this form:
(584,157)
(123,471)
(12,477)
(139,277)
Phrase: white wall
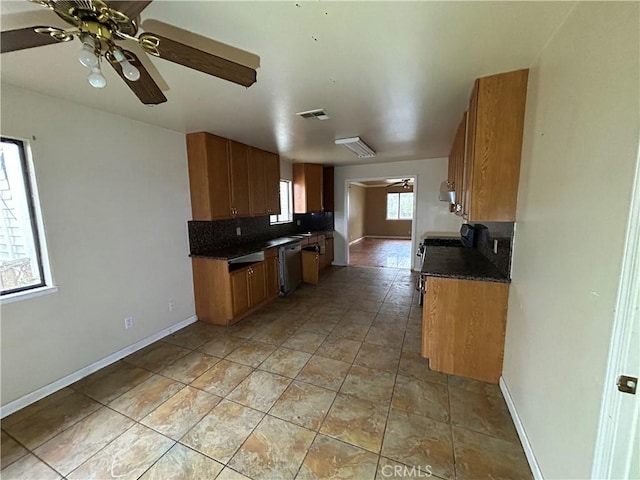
(579,154)
(356,199)
(431,214)
(115,202)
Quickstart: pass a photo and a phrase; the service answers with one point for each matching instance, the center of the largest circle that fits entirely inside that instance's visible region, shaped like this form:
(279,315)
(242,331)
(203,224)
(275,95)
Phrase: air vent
(319,113)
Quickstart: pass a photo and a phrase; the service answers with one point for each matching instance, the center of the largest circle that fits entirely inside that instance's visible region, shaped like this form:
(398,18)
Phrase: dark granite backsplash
(206,236)
(503,233)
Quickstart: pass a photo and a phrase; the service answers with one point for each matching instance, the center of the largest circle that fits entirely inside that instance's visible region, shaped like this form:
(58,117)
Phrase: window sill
(34,292)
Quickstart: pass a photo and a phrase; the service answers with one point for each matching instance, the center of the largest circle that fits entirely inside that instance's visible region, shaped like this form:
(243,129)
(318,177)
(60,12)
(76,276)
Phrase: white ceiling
(397,74)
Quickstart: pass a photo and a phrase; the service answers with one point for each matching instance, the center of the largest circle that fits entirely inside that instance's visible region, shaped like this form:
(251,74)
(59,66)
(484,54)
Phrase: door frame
(610,441)
(414,222)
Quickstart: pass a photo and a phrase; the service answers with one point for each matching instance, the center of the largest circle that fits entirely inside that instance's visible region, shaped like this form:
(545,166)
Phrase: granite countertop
(460,262)
(241,250)
(238,251)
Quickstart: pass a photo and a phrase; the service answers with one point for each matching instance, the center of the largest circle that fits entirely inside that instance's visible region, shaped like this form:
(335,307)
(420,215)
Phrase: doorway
(381,222)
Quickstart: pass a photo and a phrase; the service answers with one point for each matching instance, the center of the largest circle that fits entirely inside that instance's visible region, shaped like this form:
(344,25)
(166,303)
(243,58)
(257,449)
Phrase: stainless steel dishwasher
(290,267)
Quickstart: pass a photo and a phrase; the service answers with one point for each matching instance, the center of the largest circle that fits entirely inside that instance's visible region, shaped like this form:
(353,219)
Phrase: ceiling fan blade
(131,9)
(197,59)
(145,88)
(24,38)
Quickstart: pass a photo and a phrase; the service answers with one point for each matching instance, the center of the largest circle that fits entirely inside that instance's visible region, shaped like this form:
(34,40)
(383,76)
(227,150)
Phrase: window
(286,204)
(20,256)
(400,206)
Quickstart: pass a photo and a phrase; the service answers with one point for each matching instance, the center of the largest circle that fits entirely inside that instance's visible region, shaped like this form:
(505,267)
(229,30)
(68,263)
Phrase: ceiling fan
(404,183)
(101,26)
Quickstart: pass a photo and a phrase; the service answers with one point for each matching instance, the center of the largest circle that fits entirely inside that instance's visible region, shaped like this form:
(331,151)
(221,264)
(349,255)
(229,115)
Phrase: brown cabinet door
(458,153)
(208,159)
(257,283)
(273,277)
(327,189)
(257,182)
(328,245)
(310,267)
(240,299)
(239,175)
(272,177)
(307,188)
(464,324)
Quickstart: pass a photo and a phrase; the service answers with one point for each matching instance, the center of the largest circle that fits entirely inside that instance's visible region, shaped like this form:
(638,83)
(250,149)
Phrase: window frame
(398,218)
(27,178)
(290,195)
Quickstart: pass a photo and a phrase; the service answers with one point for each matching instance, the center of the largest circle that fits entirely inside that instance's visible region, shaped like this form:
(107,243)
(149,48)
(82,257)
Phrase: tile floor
(326,383)
(381,252)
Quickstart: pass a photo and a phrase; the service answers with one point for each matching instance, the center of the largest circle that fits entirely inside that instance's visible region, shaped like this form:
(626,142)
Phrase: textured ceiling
(397,74)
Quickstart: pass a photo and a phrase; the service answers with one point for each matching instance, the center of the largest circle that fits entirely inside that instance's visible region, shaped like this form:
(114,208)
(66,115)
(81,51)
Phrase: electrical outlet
(495,246)
(238,231)
(172,305)
(298,223)
(128,322)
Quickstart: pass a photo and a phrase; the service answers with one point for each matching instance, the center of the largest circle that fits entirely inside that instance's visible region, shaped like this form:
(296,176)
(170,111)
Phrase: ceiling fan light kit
(357,146)
(100,25)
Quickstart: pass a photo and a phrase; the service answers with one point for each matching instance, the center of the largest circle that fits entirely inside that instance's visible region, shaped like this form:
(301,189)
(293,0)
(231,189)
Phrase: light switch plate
(238,231)
(495,246)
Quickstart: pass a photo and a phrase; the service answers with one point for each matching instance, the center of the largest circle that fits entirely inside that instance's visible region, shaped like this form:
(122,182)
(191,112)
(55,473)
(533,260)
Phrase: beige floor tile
(324,372)
(274,334)
(303,404)
(182,463)
(331,459)
(222,378)
(189,367)
(386,338)
(369,384)
(475,386)
(144,398)
(381,358)
(356,422)
(229,474)
(180,413)
(29,468)
(481,456)
(221,346)
(350,331)
(221,432)
(127,457)
(34,430)
(191,337)
(413,365)
(163,355)
(260,390)
(359,317)
(422,398)
(305,341)
(274,450)
(68,450)
(339,349)
(251,353)
(412,344)
(286,362)
(390,322)
(47,402)
(481,412)
(107,386)
(419,441)
(245,328)
(10,451)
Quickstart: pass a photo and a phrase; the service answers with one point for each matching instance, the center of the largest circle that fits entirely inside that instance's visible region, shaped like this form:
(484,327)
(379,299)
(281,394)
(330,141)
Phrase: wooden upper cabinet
(307,188)
(455,175)
(257,182)
(209,176)
(239,176)
(494,146)
(327,189)
(272,176)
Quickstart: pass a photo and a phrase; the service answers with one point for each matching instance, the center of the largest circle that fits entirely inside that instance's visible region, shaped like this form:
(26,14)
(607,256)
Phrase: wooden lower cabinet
(273,276)
(224,297)
(310,267)
(463,327)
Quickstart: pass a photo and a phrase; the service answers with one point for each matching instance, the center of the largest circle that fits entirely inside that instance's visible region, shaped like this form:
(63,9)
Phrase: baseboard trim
(356,241)
(390,237)
(36,395)
(524,440)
